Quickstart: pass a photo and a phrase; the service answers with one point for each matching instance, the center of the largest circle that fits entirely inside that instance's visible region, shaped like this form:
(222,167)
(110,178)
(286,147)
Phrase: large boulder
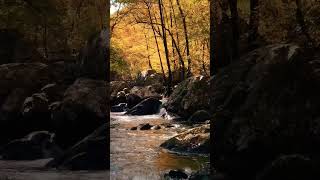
(93,57)
(36,145)
(146,107)
(195,140)
(90,153)
(83,109)
(132,100)
(148,91)
(115,88)
(18,81)
(15,49)
(189,96)
(264,105)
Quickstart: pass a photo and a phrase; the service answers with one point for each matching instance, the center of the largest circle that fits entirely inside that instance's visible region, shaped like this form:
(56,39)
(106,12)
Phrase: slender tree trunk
(181,62)
(254,21)
(147,44)
(203,57)
(185,30)
(235,28)
(156,40)
(165,44)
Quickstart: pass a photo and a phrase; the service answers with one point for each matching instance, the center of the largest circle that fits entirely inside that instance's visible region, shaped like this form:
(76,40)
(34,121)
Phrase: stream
(137,155)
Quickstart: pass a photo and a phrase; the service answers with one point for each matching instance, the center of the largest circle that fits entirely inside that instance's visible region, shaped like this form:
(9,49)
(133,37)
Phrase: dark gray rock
(146,107)
(189,96)
(83,109)
(36,145)
(88,154)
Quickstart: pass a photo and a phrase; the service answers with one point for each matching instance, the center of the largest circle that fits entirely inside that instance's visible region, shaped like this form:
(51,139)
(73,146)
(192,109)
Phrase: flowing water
(137,154)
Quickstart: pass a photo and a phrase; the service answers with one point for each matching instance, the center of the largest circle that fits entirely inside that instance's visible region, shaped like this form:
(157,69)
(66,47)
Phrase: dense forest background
(55,27)
(138,38)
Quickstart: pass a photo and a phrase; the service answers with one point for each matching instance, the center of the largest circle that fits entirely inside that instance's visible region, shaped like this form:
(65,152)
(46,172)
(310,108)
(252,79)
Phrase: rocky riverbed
(136,154)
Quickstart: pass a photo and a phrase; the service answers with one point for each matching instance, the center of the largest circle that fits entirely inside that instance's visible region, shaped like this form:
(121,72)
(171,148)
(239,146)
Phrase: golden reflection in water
(167,160)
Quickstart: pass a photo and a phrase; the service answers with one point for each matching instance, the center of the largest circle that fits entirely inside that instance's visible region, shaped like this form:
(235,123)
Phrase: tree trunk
(165,44)
(254,21)
(147,44)
(185,30)
(156,40)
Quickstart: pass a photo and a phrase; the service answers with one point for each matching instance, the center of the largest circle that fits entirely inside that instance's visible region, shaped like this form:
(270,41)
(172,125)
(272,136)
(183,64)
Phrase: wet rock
(176,174)
(132,100)
(145,126)
(88,154)
(119,108)
(199,117)
(190,96)
(146,107)
(36,145)
(83,109)
(195,140)
(156,127)
(134,128)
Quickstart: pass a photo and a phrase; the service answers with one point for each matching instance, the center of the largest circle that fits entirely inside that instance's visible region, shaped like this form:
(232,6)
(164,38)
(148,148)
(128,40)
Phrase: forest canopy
(136,28)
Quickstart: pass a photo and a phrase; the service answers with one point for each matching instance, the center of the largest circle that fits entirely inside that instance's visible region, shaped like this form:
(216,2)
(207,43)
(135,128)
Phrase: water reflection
(137,154)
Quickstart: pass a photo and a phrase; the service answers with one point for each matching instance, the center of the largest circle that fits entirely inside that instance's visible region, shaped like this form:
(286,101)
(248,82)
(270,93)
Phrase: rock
(265,105)
(18,81)
(83,109)
(148,77)
(63,73)
(53,91)
(195,140)
(145,126)
(146,107)
(115,87)
(199,116)
(293,167)
(132,100)
(176,174)
(93,57)
(36,145)
(146,91)
(37,103)
(35,113)
(156,127)
(88,154)
(119,108)
(15,49)
(134,128)
(190,96)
